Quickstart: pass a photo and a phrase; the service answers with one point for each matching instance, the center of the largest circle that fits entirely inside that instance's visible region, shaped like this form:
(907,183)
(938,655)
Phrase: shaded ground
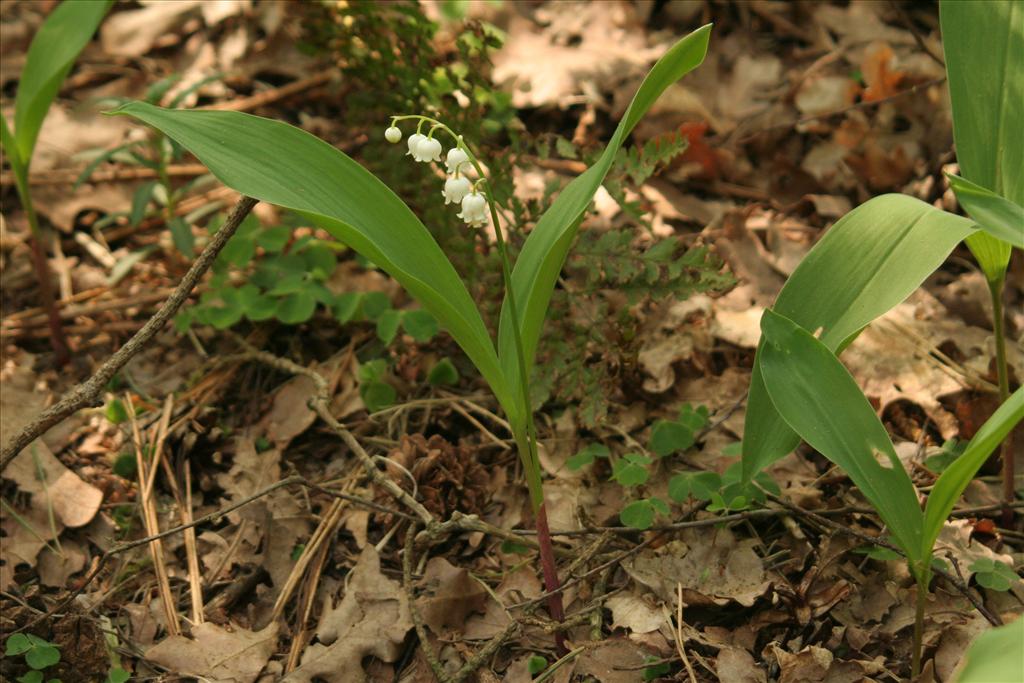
(800,112)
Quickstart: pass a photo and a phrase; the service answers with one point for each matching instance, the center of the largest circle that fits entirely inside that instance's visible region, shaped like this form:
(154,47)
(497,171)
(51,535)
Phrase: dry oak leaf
(713,568)
(371,620)
(217,654)
(455,596)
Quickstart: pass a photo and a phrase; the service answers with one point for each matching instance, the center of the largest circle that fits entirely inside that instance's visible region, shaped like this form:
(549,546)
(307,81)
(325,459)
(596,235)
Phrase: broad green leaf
(544,252)
(822,403)
(53,50)
(984,46)
(1002,219)
(995,656)
(278,163)
(987,38)
(869,261)
(958,475)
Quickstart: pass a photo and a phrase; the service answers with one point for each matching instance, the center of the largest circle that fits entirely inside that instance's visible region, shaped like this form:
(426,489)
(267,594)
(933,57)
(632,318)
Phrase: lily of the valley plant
(871,260)
(283,165)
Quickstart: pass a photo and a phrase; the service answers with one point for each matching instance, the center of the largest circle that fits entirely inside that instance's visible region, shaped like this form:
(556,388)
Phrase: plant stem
(922,595)
(531,460)
(995,288)
(526,443)
(49,301)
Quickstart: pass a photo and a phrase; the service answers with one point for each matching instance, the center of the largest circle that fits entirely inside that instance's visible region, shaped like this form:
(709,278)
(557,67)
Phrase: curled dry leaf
(371,620)
(217,654)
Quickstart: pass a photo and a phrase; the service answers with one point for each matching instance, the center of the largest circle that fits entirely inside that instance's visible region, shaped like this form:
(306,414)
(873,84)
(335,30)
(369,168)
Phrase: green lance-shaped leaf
(1002,222)
(995,655)
(278,163)
(544,252)
(998,216)
(868,262)
(957,476)
(53,50)
(820,401)
(984,46)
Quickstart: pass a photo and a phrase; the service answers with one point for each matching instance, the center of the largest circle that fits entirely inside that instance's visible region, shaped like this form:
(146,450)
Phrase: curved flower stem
(525,443)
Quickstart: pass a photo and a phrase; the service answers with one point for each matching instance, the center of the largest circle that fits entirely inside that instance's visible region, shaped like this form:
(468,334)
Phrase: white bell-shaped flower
(456,189)
(414,145)
(455,159)
(393,134)
(474,210)
(428,149)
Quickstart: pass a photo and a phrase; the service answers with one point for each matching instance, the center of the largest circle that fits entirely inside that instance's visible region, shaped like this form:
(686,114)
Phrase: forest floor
(800,112)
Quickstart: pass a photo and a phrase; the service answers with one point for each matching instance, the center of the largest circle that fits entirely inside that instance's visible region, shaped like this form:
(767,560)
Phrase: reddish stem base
(550,572)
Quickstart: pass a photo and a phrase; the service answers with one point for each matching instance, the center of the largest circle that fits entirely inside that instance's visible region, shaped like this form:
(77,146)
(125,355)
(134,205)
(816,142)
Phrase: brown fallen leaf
(614,660)
(59,498)
(737,666)
(713,568)
(371,620)
(455,595)
(217,654)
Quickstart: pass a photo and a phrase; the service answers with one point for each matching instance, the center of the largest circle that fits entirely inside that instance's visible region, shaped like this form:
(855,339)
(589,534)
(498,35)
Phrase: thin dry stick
(152,524)
(328,525)
(679,638)
(88,392)
(307,598)
(194,575)
(417,619)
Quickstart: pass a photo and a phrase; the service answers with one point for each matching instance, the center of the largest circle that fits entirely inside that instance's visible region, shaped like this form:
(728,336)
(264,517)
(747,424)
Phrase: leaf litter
(799,113)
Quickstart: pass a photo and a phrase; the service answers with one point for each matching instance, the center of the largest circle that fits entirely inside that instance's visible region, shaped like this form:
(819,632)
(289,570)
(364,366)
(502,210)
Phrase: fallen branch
(88,392)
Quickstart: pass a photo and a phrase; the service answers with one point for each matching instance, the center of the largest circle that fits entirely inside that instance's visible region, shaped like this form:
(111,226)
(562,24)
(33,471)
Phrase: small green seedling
(672,436)
(993,574)
(39,655)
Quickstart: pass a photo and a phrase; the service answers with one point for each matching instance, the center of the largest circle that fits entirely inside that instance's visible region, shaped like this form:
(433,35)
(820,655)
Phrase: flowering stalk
(475,210)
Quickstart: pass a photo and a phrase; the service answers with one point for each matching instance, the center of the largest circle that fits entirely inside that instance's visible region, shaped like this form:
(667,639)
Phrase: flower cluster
(458,189)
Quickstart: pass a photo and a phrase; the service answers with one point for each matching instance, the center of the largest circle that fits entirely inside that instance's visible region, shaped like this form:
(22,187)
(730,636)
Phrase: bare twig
(88,392)
(417,618)
(319,404)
